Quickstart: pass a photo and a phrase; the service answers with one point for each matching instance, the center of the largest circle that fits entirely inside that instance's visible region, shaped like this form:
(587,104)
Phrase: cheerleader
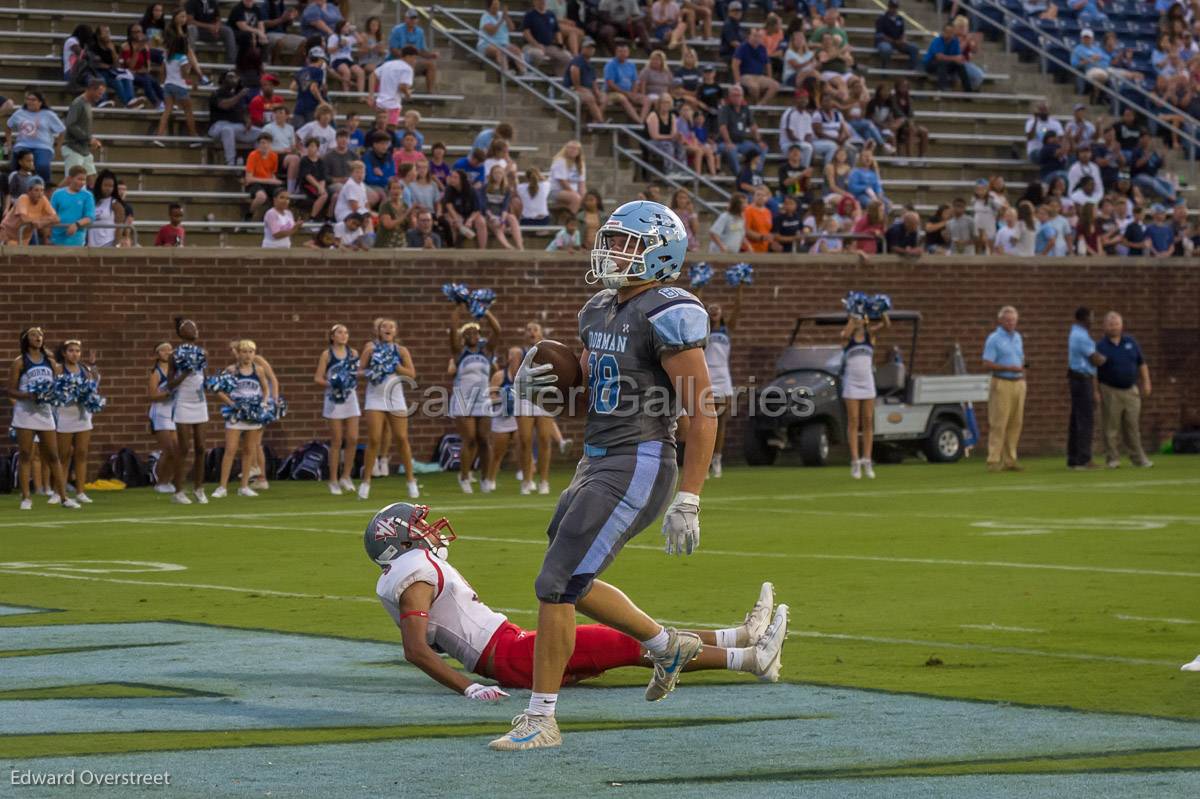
(470,407)
(162,422)
(35,420)
(386,406)
(73,421)
(858,390)
(258,468)
(534,423)
(504,422)
(250,388)
(342,413)
(382,466)
(190,413)
(716,355)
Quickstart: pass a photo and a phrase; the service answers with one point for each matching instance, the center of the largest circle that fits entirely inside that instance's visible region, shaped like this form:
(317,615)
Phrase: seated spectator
(543,39)
(393,217)
(654,81)
(731,30)
(136,59)
(728,230)
(172,234)
(868,229)
(534,194)
(944,60)
(737,133)
(353,198)
(1082,169)
(1120,58)
(681,204)
(341,45)
(262,106)
(437,163)
(799,62)
(1052,158)
(229,119)
(837,177)
(787,229)
(796,131)
(620,83)
(321,129)
(961,229)
(567,238)
(831,131)
(309,85)
(1133,236)
(662,130)
(1145,162)
(831,24)
(758,221)
(104,60)
(700,153)
(624,18)
(75,207)
(667,25)
(1089,58)
(379,166)
(937,238)
(1183,229)
(498,197)
(354,232)
(283,140)
(580,77)
(318,18)
(1048,240)
(284,44)
(1036,127)
(830,240)
(423,236)
(834,63)
(279,223)
(1080,133)
(248,25)
(903,236)
(570,23)
(460,208)
(891,36)
(21,178)
(410,34)
(409,124)
(1089,13)
(568,177)
(31,213)
(259,180)
(854,106)
(337,161)
(751,67)
(495,29)
(422,191)
(1041,9)
(497,155)
(205,25)
(34,128)
(709,96)
(863,181)
(484,139)
(472,164)
(409,152)
(1160,236)
(969,44)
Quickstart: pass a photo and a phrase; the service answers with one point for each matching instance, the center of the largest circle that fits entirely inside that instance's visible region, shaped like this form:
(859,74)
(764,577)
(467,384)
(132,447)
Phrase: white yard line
(1001,628)
(1124,617)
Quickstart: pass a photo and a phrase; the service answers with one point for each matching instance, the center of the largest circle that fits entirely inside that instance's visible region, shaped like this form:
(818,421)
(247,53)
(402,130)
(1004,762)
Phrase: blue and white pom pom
(89,397)
(190,358)
(66,389)
(275,411)
(700,274)
(740,274)
(384,361)
(248,410)
(855,303)
(42,390)
(481,300)
(457,292)
(343,379)
(878,305)
(225,382)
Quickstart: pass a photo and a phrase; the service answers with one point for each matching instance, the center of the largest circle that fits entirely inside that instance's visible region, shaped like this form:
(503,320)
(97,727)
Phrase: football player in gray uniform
(643,363)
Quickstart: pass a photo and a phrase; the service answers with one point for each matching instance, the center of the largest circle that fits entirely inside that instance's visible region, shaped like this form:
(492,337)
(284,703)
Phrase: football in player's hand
(564,362)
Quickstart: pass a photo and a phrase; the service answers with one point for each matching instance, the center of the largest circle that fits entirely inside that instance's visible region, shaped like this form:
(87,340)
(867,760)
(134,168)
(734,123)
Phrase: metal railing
(32,228)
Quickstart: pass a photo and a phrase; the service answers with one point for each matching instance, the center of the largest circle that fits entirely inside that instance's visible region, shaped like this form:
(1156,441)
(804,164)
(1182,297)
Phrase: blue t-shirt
(331,16)
(402,37)
(754,59)
(587,75)
(1005,349)
(1161,236)
(939,46)
(1082,51)
(474,172)
(386,168)
(543,26)
(71,206)
(34,130)
(1120,369)
(305,102)
(623,75)
(1046,233)
(484,140)
(1079,347)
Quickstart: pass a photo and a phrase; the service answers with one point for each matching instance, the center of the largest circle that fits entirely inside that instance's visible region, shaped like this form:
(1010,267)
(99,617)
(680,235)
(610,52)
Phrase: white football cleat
(414,490)
(868,469)
(768,651)
(682,648)
(544,487)
(364,490)
(165,488)
(180,498)
(27,504)
(529,732)
(219,493)
(754,626)
(335,489)
(54,499)
(84,498)
(247,492)
(465,484)
(1193,666)
(200,496)
(347,484)
(71,504)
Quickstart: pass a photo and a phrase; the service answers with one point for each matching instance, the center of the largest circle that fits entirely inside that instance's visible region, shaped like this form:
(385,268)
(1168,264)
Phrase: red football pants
(597,649)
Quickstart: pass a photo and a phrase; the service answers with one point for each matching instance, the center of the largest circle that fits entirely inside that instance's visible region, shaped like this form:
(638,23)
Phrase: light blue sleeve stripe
(649,460)
(681,324)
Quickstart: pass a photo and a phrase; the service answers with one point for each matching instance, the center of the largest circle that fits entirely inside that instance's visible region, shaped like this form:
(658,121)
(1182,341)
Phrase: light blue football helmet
(642,241)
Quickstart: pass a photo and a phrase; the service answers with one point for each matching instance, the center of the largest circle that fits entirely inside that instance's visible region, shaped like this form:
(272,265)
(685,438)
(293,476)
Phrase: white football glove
(531,378)
(681,524)
(484,693)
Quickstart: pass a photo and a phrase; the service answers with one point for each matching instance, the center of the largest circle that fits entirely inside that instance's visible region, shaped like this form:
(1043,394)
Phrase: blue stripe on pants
(649,457)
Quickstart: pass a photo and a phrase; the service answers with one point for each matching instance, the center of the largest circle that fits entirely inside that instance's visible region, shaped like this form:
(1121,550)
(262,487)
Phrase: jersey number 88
(604,383)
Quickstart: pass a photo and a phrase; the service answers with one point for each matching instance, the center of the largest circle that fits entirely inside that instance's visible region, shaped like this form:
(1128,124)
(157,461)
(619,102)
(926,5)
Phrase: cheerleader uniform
(162,412)
(190,404)
(858,373)
(29,414)
(505,418)
(347,408)
(74,418)
(472,383)
(248,387)
(716,355)
(388,395)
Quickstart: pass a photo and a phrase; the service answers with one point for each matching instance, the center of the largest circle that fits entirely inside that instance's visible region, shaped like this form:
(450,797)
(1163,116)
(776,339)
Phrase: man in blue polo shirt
(751,67)
(1082,360)
(1004,357)
(944,60)
(620,76)
(410,34)
(580,78)
(1124,381)
(543,39)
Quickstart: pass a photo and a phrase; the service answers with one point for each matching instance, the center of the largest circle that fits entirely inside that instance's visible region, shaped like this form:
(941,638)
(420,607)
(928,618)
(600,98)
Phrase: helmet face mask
(401,527)
(642,241)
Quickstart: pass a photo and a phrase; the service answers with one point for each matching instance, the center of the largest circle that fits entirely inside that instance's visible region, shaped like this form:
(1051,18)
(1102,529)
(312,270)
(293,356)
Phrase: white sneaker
(529,732)
(200,496)
(682,649)
(1193,666)
(856,470)
(487,486)
(715,466)
(754,626)
(180,498)
(565,445)
(72,504)
(247,492)
(335,489)
(254,472)
(364,490)
(377,468)
(868,469)
(385,468)
(544,487)
(54,499)
(465,484)
(768,651)
(414,490)
(526,487)
(260,485)
(347,484)
(84,498)
(520,476)
(165,488)
(220,493)
(27,504)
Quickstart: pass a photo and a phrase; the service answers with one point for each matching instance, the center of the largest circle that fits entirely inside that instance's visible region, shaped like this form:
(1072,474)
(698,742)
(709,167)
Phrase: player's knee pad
(550,588)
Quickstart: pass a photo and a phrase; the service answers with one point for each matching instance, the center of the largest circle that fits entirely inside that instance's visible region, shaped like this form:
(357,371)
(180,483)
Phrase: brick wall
(121,304)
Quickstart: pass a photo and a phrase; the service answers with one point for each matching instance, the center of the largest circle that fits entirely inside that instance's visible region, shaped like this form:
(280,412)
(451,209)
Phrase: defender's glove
(681,524)
(532,378)
(484,693)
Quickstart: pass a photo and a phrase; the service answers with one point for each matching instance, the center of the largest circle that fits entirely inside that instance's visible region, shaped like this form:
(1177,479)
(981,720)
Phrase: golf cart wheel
(814,445)
(758,452)
(945,444)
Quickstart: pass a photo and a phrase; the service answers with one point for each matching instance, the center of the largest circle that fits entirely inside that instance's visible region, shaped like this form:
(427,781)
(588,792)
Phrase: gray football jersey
(630,398)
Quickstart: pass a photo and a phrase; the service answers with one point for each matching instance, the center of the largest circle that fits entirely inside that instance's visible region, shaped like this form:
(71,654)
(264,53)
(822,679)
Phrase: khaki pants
(1121,412)
(1006,415)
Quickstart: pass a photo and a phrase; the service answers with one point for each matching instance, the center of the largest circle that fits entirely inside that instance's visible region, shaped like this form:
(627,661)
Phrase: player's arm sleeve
(678,325)
(426,572)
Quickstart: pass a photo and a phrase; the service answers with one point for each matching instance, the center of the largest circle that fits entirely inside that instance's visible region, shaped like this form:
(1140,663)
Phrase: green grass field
(1022,595)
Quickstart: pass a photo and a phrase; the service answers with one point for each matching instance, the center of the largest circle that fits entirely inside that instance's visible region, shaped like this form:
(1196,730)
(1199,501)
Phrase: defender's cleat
(768,651)
(529,732)
(757,620)
(682,649)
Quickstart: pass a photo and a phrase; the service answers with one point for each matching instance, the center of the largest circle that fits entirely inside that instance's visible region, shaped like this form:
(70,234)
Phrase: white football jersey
(459,624)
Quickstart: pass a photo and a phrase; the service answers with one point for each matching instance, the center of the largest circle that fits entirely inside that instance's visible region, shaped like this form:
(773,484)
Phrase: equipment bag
(448,452)
(312,462)
(125,466)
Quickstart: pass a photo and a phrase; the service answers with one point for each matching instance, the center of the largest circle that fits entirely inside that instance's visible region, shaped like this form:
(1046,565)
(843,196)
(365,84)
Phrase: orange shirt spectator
(28,212)
(758,220)
(261,167)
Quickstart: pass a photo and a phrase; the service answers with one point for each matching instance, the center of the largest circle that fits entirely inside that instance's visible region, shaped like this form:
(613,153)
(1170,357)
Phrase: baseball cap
(318,52)
(981,182)
(893,3)
(1087,33)
(1157,208)
(588,41)
(270,78)
(708,68)
(411,14)
(735,6)
(1080,107)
